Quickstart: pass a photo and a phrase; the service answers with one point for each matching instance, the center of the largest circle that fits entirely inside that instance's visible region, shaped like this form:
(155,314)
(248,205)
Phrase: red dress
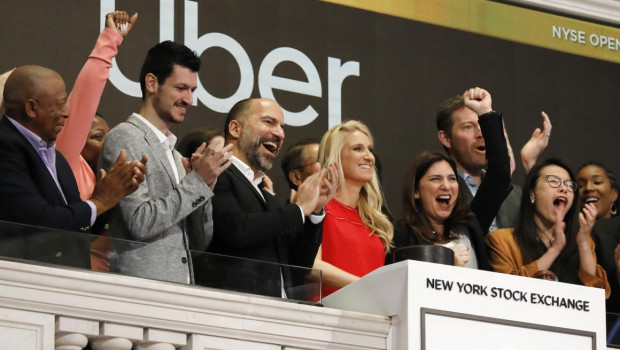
(347,242)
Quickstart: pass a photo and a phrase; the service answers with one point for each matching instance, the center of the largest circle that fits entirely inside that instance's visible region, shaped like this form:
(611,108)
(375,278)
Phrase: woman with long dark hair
(552,233)
(598,185)
(434,208)
(434,213)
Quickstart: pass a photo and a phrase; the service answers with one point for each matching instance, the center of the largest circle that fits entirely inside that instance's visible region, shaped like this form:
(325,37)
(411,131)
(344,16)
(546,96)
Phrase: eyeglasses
(555,182)
(305,165)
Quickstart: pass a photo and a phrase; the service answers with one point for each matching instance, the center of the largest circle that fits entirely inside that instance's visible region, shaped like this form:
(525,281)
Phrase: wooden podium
(439,307)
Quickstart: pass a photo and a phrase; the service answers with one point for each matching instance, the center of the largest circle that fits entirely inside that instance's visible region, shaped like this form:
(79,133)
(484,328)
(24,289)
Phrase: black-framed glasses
(305,165)
(555,182)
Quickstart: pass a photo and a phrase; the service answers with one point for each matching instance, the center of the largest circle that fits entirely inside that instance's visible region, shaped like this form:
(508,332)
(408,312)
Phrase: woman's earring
(533,200)
(614,209)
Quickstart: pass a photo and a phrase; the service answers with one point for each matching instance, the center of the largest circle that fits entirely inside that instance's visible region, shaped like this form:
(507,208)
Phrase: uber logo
(337,71)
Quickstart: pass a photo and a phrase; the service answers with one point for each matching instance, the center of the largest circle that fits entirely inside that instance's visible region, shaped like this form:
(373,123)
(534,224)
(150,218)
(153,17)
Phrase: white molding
(77,325)
(202,342)
(26,330)
(602,10)
(132,301)
(163,336)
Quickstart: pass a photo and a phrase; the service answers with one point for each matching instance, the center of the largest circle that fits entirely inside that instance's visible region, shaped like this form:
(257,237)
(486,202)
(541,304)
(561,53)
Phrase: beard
(250,147)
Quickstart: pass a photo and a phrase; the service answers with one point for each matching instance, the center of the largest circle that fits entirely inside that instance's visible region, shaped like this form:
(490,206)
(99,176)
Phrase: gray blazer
(164,219)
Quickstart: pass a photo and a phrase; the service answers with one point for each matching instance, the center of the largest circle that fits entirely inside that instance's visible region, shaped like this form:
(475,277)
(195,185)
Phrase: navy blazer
(29,195)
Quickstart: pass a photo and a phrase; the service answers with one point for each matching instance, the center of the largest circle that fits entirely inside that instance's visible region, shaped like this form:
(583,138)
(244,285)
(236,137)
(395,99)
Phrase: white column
(157,339)
(70,341)
(116,337)
(73,333)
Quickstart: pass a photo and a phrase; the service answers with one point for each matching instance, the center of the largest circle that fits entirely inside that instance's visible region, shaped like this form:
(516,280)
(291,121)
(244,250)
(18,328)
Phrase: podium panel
(441,307)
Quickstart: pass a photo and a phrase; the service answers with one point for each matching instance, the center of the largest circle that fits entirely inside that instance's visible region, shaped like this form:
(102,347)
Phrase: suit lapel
(48,180)
(270,200)
(66,179)
(237,173)
(156,147)
(178,160)
(464,190)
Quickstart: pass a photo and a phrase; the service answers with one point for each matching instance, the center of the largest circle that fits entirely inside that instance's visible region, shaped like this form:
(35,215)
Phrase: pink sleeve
(84,98)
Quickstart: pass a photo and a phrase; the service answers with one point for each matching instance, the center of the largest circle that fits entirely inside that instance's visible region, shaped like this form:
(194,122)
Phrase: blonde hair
(371,197)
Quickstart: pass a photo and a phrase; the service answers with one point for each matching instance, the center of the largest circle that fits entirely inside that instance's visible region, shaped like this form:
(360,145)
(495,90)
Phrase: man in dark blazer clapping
(249,222)
(37,186)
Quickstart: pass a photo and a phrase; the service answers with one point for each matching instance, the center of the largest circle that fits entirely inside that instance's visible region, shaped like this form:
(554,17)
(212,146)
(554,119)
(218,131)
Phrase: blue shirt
(473,189)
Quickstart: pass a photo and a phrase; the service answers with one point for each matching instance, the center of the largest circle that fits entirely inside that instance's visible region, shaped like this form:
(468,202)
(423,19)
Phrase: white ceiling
(601,10)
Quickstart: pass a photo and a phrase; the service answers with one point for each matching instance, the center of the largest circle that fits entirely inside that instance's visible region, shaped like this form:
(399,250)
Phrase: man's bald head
(36,97)
(26,82)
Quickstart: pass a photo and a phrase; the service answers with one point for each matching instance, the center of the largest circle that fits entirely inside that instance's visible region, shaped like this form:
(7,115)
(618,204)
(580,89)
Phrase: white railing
(44,307)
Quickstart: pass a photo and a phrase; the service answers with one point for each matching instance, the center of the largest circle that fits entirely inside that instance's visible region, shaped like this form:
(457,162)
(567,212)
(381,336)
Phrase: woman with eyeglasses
(552,233)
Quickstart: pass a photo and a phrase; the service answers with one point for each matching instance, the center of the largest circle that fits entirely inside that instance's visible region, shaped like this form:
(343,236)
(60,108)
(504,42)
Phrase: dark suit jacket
(508,213)
(606,236)
(29,195)
(494,186)
(263,232)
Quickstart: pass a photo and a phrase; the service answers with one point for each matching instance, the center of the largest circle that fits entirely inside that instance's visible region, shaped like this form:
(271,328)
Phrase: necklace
(551,239)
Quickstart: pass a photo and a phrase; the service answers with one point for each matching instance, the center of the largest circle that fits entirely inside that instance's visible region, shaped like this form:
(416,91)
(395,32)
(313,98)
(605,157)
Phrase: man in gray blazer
(170,213)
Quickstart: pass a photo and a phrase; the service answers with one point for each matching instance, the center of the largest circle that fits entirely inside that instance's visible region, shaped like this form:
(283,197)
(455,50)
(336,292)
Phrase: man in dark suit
(37,186)
(249,222)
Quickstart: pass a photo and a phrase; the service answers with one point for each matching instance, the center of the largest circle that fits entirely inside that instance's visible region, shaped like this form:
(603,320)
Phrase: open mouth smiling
(271,145)
(444,200)
(590,200)
(560,201)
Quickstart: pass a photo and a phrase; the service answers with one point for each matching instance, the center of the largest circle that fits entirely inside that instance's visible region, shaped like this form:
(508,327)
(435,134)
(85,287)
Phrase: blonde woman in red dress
(356,234)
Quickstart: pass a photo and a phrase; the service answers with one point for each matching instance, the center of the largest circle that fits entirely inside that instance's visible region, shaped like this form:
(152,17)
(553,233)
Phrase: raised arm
(536,144)
(590,273)
(86,93)
(496,182)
